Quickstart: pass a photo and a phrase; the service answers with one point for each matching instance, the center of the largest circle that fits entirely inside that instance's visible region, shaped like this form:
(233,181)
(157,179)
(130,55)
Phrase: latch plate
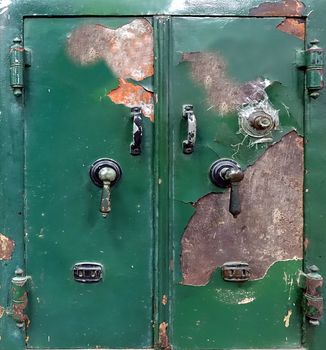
(88,272)
(235,271)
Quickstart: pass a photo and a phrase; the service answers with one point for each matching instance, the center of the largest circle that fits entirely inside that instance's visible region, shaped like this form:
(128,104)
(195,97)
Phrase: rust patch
(284,8)
(18,310)
(2,311)
(6,247)
(224,94)
(164,300)
(163,336)
(269,228)
(293,26)
(128,50)
(132,95)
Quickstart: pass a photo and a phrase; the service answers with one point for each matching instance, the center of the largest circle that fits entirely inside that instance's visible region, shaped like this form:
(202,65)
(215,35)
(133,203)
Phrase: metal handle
(227,173)
(137,131)
(188,114)
(234,176)
(105,173)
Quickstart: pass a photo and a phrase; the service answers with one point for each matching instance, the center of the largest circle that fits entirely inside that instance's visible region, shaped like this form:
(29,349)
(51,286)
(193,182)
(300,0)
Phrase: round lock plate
(219,167)
(104,163)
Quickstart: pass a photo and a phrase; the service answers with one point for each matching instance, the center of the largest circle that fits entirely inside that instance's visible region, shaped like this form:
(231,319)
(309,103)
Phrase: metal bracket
(19,59)
(312,61)
(235,271)
(88,272)
(189,116)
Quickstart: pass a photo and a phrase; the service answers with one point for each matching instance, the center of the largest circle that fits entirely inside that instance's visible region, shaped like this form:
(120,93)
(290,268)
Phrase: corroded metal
(127,50)
(269,228)
(293,26)
(7,247)
(286,8)
(224,94)
(132,95)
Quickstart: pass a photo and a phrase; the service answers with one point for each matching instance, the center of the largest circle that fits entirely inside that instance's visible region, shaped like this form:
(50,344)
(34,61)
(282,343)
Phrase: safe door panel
(70,122)
(237,77)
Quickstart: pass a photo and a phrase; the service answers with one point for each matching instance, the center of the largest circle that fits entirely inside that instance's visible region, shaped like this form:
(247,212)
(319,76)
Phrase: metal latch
(88,272)
(235,271)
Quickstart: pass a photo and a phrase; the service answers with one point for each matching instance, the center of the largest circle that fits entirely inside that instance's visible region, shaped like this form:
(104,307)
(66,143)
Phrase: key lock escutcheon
(105,173)
(227,173)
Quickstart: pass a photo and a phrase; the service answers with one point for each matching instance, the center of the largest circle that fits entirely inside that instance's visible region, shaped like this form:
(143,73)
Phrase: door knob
(105,173)
(227,173)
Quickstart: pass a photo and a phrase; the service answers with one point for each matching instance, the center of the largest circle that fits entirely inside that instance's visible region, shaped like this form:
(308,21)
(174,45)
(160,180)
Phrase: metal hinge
(313,303)
(19,59)
(19,298)
(312,61)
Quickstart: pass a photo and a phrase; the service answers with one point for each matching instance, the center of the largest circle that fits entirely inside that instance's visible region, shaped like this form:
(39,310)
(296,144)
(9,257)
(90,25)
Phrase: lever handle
(105,173)
(234,176)
(188,114)
(137,131)
(227,173)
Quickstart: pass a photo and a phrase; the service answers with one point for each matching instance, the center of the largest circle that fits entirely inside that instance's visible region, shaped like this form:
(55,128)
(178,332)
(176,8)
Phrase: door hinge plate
(19,59)
(312,283)
(312,61)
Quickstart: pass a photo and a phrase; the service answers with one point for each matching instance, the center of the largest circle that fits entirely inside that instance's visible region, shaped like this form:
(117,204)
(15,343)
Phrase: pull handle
(227,173)
(137,131)
(189,143)
(105,173)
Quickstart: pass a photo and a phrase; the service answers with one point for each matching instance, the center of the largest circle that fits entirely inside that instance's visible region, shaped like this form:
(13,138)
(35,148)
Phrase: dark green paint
(69,124)
(11,136)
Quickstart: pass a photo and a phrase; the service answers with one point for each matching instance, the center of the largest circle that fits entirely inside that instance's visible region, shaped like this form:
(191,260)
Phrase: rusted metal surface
(18,310)
(6,247)
(224,93)
(286,8)
(2,311)
(269,228)
(128,50)
(132,95)
(163,336)
(164,300)
(293,26)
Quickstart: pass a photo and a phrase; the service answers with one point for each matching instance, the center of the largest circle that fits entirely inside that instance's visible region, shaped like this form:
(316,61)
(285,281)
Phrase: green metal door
(70,122)
(233,70)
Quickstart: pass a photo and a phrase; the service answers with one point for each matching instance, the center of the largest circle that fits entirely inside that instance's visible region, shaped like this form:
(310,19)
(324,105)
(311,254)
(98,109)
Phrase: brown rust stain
(127,50)
(269,228)
(164,300)
(225,95)
(286,8)
(18,310)
(293,26)
(132,95)
(6,247)
(163,336)
(2,311)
